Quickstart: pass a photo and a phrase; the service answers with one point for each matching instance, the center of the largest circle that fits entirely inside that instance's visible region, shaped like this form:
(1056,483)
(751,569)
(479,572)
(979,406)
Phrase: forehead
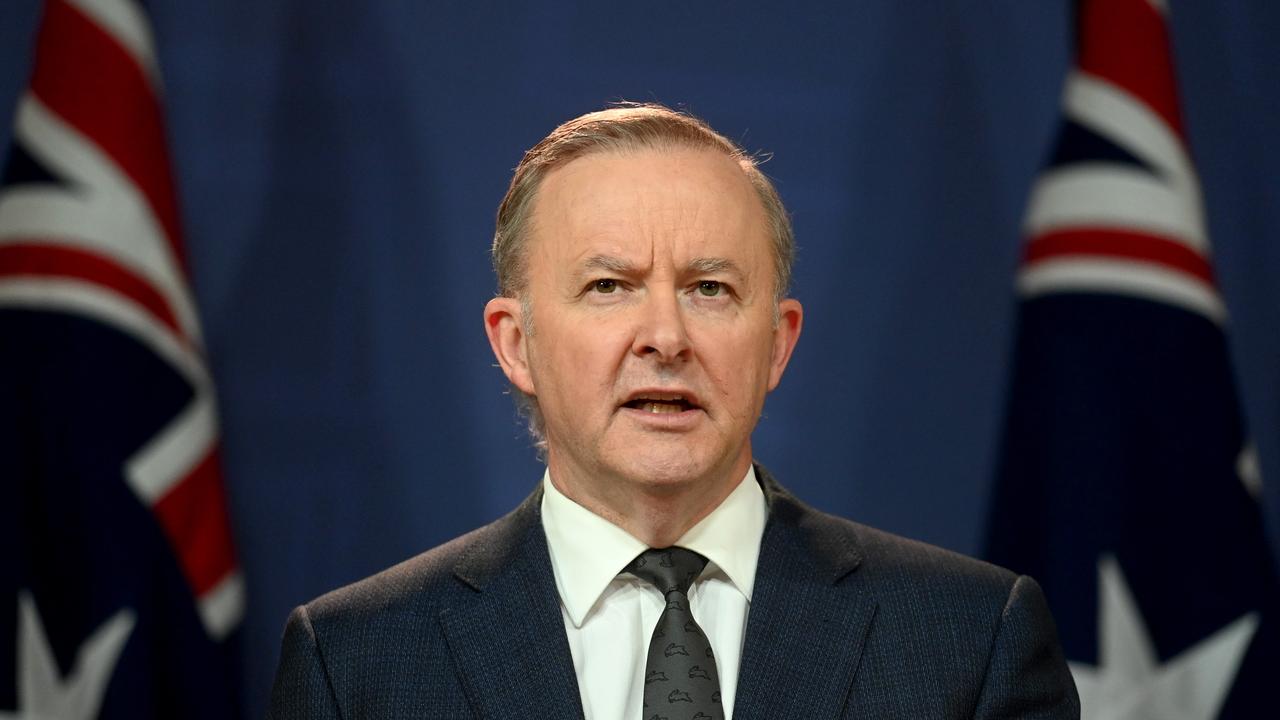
(670,203)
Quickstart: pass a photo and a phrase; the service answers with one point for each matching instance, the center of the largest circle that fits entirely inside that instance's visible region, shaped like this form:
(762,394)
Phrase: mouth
(661,403)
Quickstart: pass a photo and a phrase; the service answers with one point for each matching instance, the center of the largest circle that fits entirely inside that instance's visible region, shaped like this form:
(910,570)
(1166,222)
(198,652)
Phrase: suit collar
(828,544)
(508,639)
(493,548)
(808,621)
(805,613)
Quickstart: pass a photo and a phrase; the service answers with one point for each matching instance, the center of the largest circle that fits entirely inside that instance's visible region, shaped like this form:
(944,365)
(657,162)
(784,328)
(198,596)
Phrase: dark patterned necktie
(680,679)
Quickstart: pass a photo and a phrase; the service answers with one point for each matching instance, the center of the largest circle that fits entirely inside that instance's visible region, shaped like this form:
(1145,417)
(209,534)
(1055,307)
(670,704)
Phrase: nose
(661,332)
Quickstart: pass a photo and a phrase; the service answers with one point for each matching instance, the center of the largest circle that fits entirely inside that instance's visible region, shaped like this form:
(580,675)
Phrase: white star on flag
(1130,683)
(42,693)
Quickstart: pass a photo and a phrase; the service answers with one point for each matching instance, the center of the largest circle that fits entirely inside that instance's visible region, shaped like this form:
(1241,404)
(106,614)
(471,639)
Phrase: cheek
(739,369)
(728,370)
(584,359)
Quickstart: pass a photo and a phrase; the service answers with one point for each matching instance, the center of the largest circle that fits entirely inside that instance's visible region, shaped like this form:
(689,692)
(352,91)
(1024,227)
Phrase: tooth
(660,407)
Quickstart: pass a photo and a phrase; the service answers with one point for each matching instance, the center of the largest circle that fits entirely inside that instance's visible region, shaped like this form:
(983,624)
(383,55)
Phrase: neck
(657,515)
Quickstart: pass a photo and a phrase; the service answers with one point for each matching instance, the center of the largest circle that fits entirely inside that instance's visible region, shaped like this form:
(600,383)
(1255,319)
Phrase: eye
(710,288)
(605,286)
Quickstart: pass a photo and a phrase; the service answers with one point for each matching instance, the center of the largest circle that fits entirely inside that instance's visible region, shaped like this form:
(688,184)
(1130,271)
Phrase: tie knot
(668,569)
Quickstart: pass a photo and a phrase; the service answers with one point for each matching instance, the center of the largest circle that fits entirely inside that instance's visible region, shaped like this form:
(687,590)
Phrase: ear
(504,324)
(785,335)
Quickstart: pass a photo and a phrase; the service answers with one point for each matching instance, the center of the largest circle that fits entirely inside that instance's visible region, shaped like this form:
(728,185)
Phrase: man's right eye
(606,286)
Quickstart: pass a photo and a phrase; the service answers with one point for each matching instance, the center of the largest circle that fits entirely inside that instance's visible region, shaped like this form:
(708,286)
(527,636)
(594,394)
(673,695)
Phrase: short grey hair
(626,127)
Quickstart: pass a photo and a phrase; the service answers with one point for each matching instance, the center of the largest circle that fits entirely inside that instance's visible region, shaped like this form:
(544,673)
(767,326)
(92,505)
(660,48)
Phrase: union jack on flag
(121,591)
(1127,484)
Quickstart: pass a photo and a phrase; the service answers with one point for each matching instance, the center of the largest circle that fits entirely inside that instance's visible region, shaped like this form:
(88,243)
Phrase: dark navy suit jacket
(845,621)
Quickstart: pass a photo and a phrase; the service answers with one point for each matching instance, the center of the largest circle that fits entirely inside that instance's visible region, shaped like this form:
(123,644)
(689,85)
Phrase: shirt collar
(588,552)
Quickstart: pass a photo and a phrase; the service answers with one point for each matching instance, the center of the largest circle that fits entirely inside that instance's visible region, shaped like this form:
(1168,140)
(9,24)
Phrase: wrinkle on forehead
(661,208)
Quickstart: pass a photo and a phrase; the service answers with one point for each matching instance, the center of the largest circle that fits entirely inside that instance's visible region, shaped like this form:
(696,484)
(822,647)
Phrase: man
(642,263)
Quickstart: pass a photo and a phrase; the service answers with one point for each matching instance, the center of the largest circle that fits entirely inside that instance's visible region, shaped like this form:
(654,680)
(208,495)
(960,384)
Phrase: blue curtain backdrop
(339,165)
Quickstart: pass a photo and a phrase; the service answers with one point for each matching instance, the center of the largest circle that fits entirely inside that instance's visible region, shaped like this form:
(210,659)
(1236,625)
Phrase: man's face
(653,344)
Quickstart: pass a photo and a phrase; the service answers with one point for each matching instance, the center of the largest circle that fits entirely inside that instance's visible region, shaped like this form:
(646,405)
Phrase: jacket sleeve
(302,688)
(1027,675)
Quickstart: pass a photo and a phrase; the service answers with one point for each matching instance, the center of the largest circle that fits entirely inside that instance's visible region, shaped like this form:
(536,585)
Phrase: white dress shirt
(609,617)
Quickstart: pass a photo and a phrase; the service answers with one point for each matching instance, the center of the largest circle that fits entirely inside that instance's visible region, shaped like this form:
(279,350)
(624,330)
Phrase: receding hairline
(534,205)
(623,130)
(634,126)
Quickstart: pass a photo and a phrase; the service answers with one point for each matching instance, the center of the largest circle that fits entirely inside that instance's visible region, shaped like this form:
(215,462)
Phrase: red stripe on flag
(43,260)
(194,517)
(1111,242)
(1126,42)
(89,80)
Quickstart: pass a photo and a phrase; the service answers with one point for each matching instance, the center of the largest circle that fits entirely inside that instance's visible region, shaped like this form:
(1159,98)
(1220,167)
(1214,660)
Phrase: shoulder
(952,598)
(425,585)
(889,566)
(981,634)
(894,557)
(409,586)
(379,641)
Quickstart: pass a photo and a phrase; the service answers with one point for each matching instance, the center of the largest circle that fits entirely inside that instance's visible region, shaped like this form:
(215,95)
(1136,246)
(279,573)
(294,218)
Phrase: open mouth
(660,405)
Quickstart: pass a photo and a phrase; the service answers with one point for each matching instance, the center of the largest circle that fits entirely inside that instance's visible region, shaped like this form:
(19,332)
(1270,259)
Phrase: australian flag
(119,588)
(1128,486)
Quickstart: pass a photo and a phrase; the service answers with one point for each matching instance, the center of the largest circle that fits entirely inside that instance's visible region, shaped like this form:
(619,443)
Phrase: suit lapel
(806,629)
(508,642)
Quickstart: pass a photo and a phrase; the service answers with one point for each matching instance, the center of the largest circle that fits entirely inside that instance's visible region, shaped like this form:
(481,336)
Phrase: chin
(672,471)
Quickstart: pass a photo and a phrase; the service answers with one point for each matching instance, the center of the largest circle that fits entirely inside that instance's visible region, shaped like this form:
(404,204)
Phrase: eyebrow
(609,263)
(714,265)
(706,265)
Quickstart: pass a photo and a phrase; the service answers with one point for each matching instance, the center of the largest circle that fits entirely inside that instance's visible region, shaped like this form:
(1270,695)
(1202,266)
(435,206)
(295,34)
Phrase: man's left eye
(710,288)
